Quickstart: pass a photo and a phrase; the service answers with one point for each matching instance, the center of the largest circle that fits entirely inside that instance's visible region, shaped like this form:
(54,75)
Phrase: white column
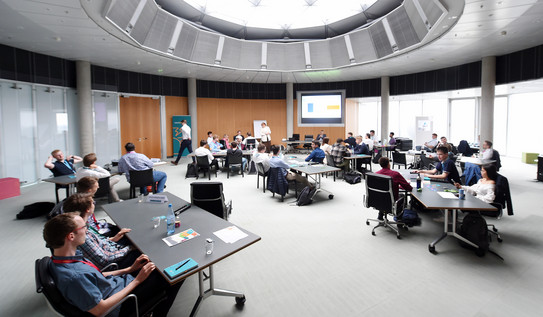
(290,109)
(488,87)
(193,110)
(84,98)
(385,96)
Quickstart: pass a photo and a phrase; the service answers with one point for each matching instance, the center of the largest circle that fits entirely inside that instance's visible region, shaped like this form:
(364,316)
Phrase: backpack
(192,170)
(305,197)
(35,210)
(352,177)
(410,218)
(475,230)
(376,158)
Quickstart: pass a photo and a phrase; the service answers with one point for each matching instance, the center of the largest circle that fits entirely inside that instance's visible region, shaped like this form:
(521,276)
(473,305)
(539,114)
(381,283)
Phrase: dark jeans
(185,144)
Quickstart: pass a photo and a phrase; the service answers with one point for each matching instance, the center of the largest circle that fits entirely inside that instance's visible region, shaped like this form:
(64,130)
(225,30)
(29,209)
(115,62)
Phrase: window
(462,121)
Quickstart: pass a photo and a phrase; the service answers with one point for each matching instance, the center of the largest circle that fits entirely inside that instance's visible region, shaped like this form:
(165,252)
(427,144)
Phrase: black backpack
(192,170)
(35,210)
(410,218)
(475,230)
(305,196)
(376,158)
(352,177)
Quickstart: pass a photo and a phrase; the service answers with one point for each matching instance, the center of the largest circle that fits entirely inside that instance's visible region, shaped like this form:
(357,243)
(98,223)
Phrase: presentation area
(321,107)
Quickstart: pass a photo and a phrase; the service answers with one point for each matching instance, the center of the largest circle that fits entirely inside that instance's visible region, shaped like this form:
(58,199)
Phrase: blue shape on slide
(310,107)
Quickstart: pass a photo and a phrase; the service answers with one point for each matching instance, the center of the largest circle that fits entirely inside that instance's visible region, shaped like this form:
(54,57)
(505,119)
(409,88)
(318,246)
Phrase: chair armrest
(122,301)
(110,267)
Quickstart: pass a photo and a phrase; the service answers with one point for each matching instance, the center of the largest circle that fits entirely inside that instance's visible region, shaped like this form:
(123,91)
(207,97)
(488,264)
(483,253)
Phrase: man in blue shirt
(361,148)
(446,167)
(84,286)
(62,165)
(317,155)
(133,161)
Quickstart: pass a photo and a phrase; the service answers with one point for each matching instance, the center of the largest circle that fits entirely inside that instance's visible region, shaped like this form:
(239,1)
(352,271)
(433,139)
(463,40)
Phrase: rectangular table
(353,158)
(315,171)
(64,180)
(137,216)
(475,160)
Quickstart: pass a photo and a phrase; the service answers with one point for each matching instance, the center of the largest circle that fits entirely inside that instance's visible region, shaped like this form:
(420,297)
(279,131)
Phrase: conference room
(90,76)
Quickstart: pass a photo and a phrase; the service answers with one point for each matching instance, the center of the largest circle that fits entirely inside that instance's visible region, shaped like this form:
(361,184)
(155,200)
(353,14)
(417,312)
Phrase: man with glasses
(84,286)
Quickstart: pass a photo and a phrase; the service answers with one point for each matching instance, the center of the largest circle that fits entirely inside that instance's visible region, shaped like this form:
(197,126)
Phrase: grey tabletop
(137,216)
(62,180)
(357,156)
(314,169)
(222,153)
(475,160)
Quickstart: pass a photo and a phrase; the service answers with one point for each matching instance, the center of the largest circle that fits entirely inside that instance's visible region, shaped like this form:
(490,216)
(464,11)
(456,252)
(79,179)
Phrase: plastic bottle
(419,181)
(170,221)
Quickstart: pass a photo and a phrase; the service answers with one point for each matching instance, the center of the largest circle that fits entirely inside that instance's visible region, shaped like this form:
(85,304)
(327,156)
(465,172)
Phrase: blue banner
(177,135)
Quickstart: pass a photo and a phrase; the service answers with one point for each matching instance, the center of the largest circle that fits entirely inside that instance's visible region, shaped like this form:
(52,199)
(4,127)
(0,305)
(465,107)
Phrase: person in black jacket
(234,151)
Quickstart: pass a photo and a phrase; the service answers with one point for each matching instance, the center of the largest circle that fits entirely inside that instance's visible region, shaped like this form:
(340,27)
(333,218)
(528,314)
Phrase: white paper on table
(230,234)
(447,195)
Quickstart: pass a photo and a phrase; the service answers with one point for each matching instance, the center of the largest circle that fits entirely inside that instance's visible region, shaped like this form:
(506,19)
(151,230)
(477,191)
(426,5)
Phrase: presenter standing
(265,136)
(186,143)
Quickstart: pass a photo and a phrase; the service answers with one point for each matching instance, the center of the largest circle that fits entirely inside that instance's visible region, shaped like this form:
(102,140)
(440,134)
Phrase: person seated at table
(262,157)
(317,155)
(391,142)
(203,151)
(446,168)
(62,165)
(369,142)
(443,142)
(234,151)
(487,152)
(226,141)
(350,140)
(91,169)
(431,145)
(84,286)
(247,143)
(133,161)
(239,134)
(209,137)
(321,136)
(327,148)
(239,141)
(397,180)
(338,153)
(100,250)
(277,161)
(485,187)
(361,148)
(215,145)
(87,184)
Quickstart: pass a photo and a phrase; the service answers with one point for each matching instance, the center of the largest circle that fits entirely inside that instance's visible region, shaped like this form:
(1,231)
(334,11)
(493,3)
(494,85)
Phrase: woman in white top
(265,136)
(91,169)
(485,187)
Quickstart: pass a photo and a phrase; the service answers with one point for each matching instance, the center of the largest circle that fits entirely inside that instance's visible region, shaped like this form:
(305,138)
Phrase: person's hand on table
(457,185)
(120,234)
(145,272)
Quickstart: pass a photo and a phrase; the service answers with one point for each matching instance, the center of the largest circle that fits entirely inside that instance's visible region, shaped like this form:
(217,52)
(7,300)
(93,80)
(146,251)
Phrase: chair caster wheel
(330,196)
(367,223)
(240,300)
(373,233)
(480,253)
(500,240)
(399,237)
(432,249)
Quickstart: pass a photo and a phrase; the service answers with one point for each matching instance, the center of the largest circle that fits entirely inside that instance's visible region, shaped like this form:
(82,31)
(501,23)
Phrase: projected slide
(321,107)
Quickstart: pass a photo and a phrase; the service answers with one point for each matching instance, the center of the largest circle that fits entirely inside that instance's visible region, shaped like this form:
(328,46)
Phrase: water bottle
(419,181)
(170,221)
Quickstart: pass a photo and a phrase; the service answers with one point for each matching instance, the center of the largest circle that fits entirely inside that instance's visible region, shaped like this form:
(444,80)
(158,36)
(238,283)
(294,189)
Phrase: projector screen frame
(320,92)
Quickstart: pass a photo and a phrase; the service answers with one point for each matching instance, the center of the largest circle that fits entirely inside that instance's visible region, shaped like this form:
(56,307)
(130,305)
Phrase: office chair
(278,183)
(308,137)
(296,136)
(202,163)
(379,195)
(330,162)
(502,201)
(45,284)
(496,157)
(427,163)
(209,196)
(57,187)
(103,189)
(223,143)
(141,179)
(234,161)
(260,172)
(250,144)
(399,159)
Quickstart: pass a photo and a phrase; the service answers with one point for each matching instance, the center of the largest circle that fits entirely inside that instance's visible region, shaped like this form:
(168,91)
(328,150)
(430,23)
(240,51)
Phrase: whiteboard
(257,126)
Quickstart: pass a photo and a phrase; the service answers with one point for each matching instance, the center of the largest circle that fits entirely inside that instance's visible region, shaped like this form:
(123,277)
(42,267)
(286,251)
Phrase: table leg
(240,297)
(447,232)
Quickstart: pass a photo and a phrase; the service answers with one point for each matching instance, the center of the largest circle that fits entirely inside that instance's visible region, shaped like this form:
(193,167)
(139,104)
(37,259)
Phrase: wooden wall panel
(226,116)
(175,106)
(332,132)
(140,124)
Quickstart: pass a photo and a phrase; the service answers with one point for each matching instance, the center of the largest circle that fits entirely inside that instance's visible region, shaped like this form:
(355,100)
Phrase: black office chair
(141,179)
(308,137)
(496,157)
(57,187)
(251,144)
(427,163)
(399,159)
(234,161)
(501,202)
(202,162)
(278,183)
(45,284)
(379,195)
(260,172)
(330,162)
(209,196)
(223,142)
(104,189)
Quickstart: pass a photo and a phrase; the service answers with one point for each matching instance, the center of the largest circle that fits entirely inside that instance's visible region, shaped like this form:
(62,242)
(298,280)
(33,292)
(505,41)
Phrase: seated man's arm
(49,163)
(310,156)
(77,159)
(105,304)
(427,172)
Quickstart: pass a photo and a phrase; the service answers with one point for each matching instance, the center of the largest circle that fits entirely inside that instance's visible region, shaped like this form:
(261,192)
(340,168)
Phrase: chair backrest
(250,144)
(46,284)
(202,161)
(277,183)
(260,169)
(234,159)
(329,160)
(427,163)
(399,158)
(103,187)
(209,196)
(379,194)
(464,148)
(141,178)
(223,142)
(251,141)
(496,157)
(308,137)
(296,136)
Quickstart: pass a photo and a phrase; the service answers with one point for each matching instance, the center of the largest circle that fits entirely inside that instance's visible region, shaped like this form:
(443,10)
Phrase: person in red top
(397,180)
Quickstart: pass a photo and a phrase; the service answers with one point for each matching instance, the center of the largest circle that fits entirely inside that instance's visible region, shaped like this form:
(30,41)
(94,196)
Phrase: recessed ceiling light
(160,70)
(503,33)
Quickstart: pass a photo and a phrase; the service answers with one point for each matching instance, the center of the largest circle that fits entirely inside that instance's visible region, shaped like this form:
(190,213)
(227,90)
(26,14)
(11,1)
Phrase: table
(64,180)
(475,160)
(315,171)
(432,200)
(354,157)
(137,216)
(297,142)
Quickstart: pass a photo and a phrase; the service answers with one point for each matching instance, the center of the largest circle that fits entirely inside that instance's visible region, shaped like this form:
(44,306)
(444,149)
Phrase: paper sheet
(230,234)
(447,195)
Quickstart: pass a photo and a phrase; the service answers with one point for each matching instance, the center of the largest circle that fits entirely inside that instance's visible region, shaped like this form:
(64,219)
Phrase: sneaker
(174,162)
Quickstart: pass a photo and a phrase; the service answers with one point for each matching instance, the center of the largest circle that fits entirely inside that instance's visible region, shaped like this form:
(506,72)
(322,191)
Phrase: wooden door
(140,124)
